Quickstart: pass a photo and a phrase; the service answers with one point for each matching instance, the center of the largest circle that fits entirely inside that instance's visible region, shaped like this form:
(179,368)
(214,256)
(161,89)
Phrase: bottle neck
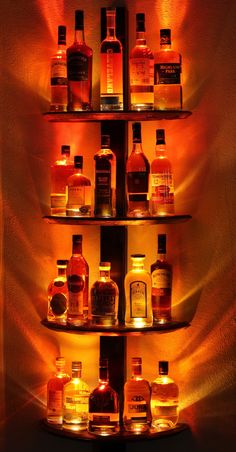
(77,248)
(137,148)
(104,274)
(78,170)
(136,371)
(103,375)
(140,38)
(138,266)
(76,373)
(61,271)
(79,35)
(61,47)
(60,369)
(160,150)
(161,256)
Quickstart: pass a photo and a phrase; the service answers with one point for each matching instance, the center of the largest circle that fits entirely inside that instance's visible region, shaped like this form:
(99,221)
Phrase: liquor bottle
(59,74)
(58,295)
(79,69)
(161,273)
(60,171)
(137,394)
(78,191)
(167,75)
(141,70)
(105,180)
(162,185)
(138,283)
(104,298)
(103,405)
(137,177)
(78,280)
(55,392)
(111,57)
(75,400)
(164,399)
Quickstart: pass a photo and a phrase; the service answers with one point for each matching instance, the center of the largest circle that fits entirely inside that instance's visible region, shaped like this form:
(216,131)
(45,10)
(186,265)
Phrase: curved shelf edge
(117,221)
(94,116)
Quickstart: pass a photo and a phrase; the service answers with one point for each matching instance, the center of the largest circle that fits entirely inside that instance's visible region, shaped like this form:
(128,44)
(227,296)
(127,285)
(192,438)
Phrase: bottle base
(74,426)
(136,427)
(141,107)
(163,424)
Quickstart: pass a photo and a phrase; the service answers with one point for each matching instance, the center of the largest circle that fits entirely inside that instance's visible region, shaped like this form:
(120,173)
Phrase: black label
(137,182)
(167,73)
(58,304)
(77,67)
(58,81)
(75,283)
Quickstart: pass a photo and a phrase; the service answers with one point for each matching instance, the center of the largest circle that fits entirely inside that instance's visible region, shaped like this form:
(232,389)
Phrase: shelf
(94,116)
(121,221)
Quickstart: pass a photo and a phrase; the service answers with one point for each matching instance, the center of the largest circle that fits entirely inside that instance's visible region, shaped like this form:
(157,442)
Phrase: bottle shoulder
(161,264)
(77,384)
(141,51)
(161,164)
(100,285)
(79,47)
(167,56)
(75,262)
(78,179)
(111,44)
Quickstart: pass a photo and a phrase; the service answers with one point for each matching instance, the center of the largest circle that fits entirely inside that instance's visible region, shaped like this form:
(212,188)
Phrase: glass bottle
(103,405)
(59,74)
(138,308)
(105,180)
(137,394)
(78,281)
(111,57)
(60,171)
(162,185)
(55,392)
(164,399)
(78,191)
(75,400)
(167,75)
(141,70)
(58,295)
(137,177)
(104,298)
(161,273)
(79,69)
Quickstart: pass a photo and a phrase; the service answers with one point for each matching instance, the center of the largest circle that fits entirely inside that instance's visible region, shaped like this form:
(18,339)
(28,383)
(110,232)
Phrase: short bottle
(105,180)
(137,395)
(164,399)
(141,70)
(58,295)
(79,69)
(138,307)
(162,180)
(103,405)
(104,298)
(61,169)
(55,392)
(75,400)
(79,191)
(167,75)
(59,74)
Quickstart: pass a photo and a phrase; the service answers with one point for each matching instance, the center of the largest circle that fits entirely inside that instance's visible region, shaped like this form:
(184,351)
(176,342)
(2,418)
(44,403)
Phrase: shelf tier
(121,221)
(95,116)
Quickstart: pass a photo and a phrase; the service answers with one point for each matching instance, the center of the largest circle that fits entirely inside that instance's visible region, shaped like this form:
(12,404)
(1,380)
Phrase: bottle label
(54,402)
(77,67)
(137,406)
(76,286)
(137,182)
(111,73)
(103,303)
(79,196)
(102,187)
(162,188)
(167,73)
(161,279)
(58,304)
(59,73)
(138,299)
(58,200)
(141,71)
(103,418)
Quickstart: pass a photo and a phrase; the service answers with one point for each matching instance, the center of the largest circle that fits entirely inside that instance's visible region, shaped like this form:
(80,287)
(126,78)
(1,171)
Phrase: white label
(161,279)
(55,401)
(58,69)
(80,195)
(138,299)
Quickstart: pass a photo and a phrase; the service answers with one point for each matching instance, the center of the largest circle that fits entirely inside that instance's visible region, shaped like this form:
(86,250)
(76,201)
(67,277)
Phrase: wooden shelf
(95,116)
(121,221)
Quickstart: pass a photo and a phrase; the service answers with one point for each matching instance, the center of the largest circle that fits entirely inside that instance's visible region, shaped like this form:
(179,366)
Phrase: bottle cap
(77,238)
(138,256)
(136,361)
(140,22)
(163,367)
(65,149)
(114,100)
(105,265)
(60,361)
(165,36)
(79,19)
(136,126)
(78,161)
(76,365)
(161,243)
(103,362)
(62,34)
(105,141)
(160,136)
(62,262)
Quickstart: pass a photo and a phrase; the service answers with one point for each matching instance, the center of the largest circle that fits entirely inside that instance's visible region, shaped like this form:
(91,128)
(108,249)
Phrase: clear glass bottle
(60,171)
(138,284)
(55,392)
(111,57)
(141,70)
(75,400)
(105,180)
(58,295)
(59,74)
(137,394)
(79,69)
(137,177)
(164,399)
(79,191)
(103,405)
(104,298)
(162,183)
(167,75)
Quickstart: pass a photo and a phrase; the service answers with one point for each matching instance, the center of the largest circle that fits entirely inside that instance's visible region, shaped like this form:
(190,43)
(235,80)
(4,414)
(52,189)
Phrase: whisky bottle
(161,273)
(103,405)
(59,74)
(111,57)
(55,392)
(138,307)
(60,171)
(79,69)
(78,280)
(162,185)
(141,70)
(164,399)
(137,394)
(78,191)
(105,180)
(104,298)
(167,75)
(58,295)
(75,400)
(137,177)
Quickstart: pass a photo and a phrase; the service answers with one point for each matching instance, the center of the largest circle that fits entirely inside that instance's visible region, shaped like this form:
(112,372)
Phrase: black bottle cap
(140,22)
(79,19)
(62,261)
(138,256)
(136,126)
(163,367)
(165,36)
(62,34)
(105,141)
(78,161)
(160,136)
(65,149)
(103,362)
(161,240)
(77,238)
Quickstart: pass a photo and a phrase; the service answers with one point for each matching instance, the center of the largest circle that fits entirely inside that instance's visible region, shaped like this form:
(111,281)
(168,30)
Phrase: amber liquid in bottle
(59,74)
(105,180)
(58,295)
(78,191)
(104,298)
(161,273)
(60,171)
(55,392)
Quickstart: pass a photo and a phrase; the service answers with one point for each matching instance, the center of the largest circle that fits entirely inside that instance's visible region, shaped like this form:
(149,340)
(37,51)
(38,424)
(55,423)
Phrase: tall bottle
(141,70)
(78,191)
(75,400)
(111,57)
(103,405)
(58,295)
(137,394)
(104,298)
(78,281)
(138,307)
(60,171)
(55,392)
(137,177)
(105,180)
(167,75)
(59,74)
(161,273)
(162,183)
(79,69)
(164,399)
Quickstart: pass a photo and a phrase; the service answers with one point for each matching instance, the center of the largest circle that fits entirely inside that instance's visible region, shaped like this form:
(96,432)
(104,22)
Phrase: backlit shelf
(117,221)
(95,116)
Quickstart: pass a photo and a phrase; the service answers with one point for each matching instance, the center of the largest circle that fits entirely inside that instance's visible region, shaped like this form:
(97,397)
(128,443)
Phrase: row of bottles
(154,77)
